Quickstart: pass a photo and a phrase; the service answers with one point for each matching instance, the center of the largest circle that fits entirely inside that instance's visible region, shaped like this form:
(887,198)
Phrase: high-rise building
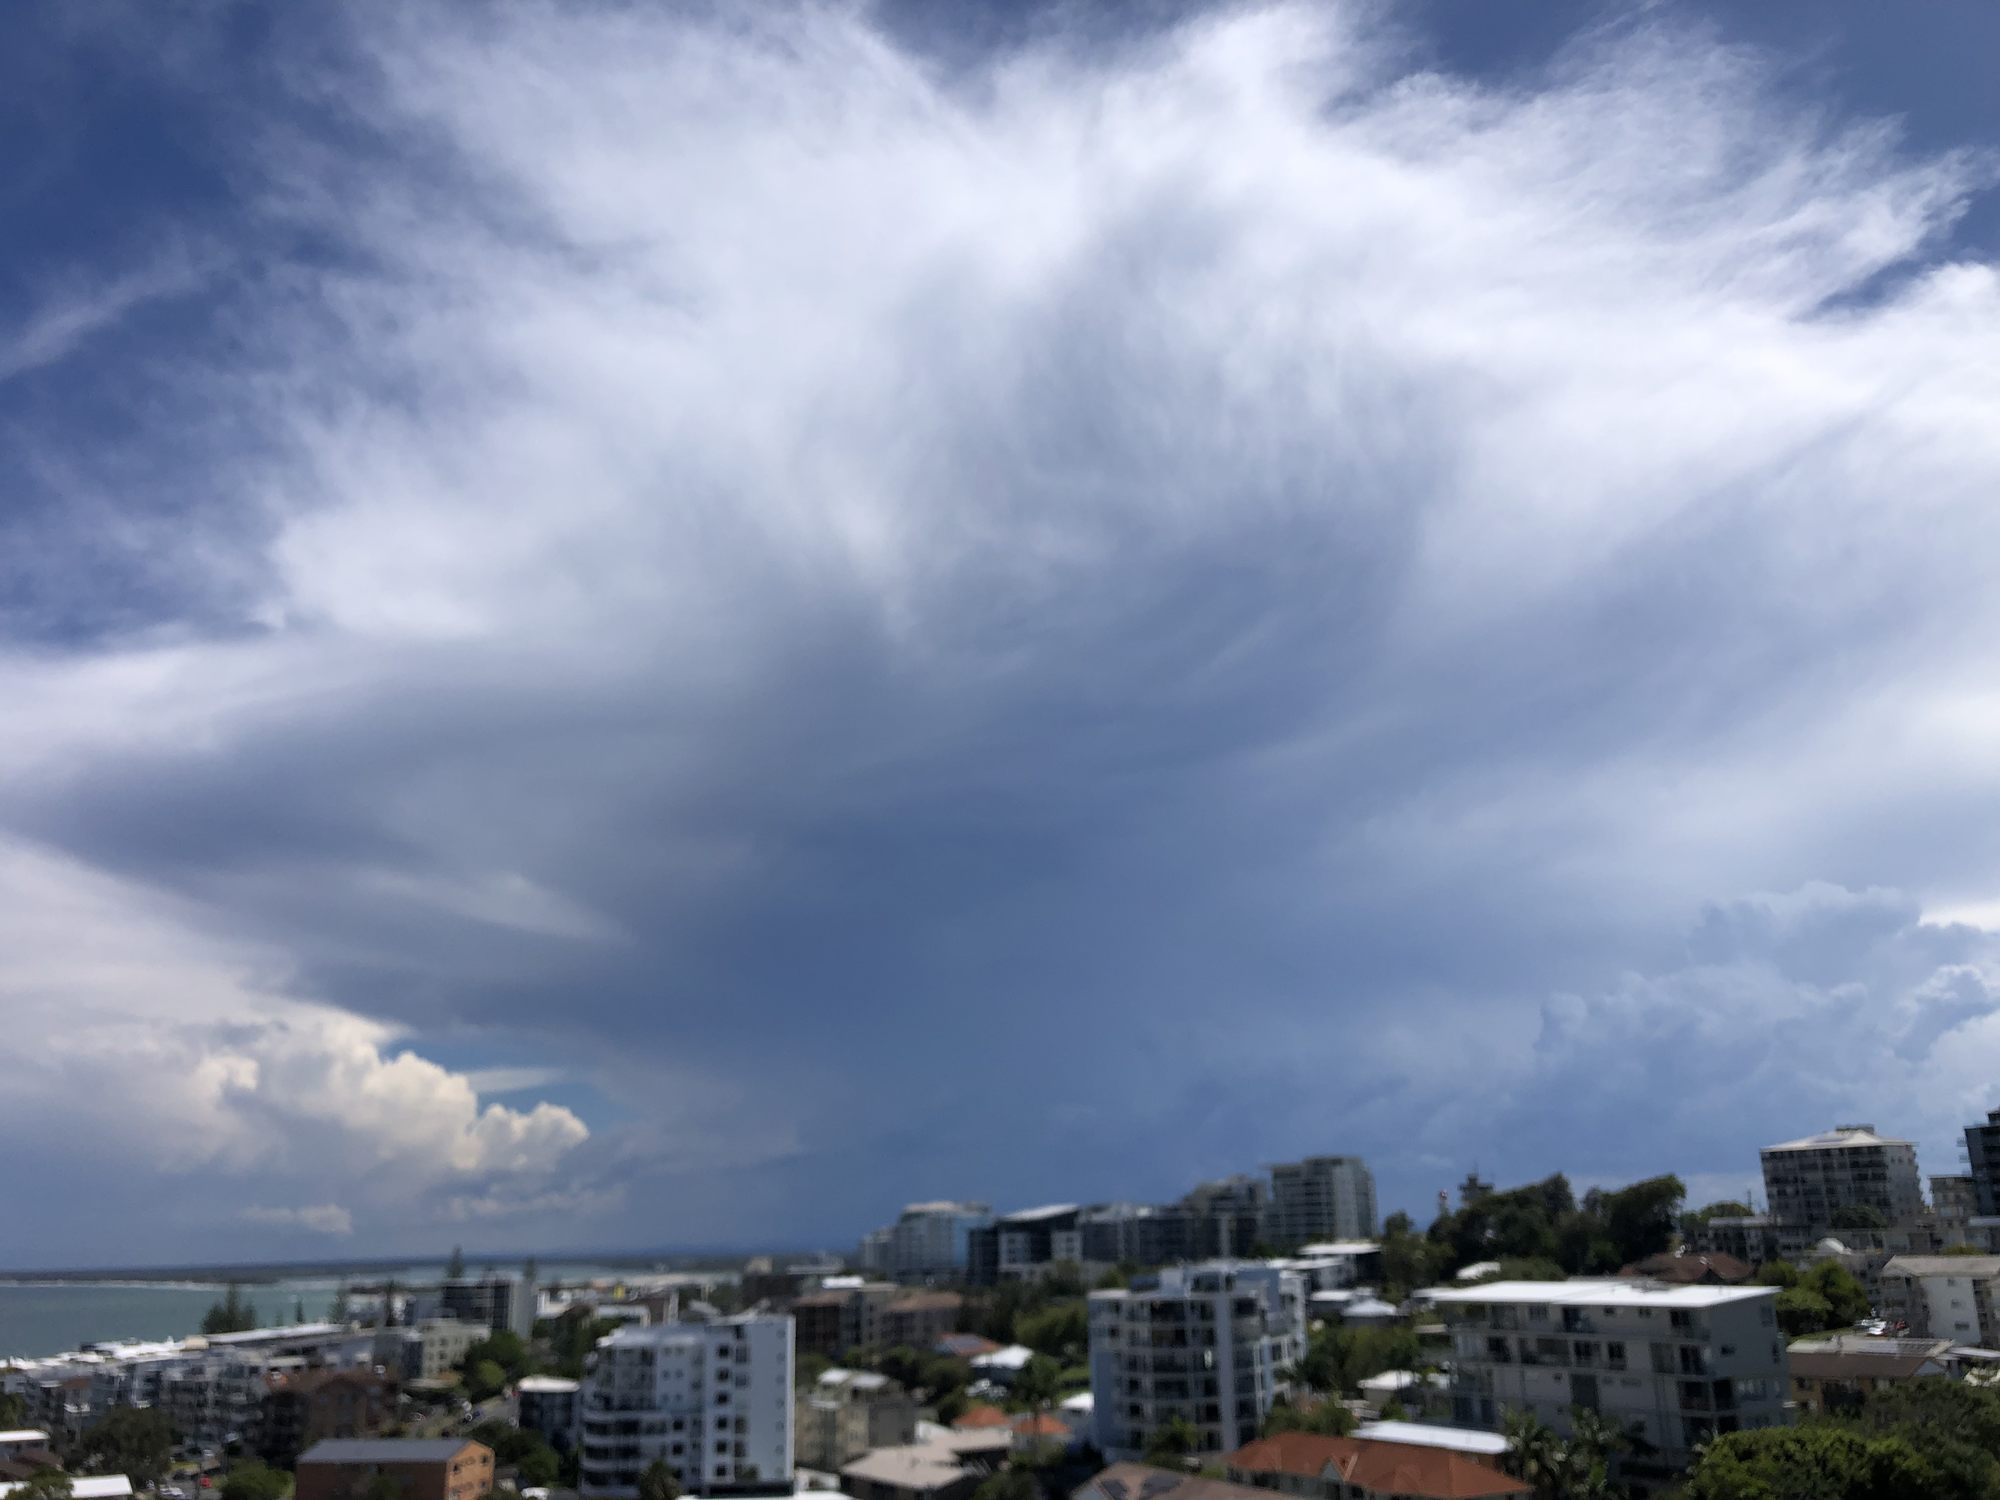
(1024,1244)
(1982,1150)
(1321,1198)
(503,1304)
(1227,1217)
(552,1406)
(713,1400)
(1954,1201)
(1809,1181)
(1675,1364)
(927,1240)
(1206,1343)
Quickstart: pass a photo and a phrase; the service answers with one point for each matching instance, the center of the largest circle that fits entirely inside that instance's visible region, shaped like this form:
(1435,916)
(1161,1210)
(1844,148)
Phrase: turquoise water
(38,1318)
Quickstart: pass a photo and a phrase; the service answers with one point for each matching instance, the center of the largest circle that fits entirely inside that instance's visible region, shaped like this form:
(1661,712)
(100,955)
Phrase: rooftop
(547,1385)
(89,1487)
(1141,1482)
(914,1466)
(1430,1435)
(24,1435)
(385,1450)
(1840,1135)
(1400,1469)
(1944,1265)
(1851,1364)
(1607,1292)
(1031,1215)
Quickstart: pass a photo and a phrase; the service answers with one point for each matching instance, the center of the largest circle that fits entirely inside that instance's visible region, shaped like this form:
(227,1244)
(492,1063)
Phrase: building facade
(713,1400)
(1808,1182)
(1321,1198)
(1679,1364)
(302,1409)
(1207,1343)
(1024,1244)
(1944,1296)
(927,1241)
(552,1406)
(420,1469)
(1954,1204)
(502,1304)
(429,1351)
(849,1413)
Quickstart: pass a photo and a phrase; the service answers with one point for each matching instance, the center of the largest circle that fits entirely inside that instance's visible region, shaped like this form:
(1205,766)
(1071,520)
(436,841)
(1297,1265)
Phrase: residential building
(845,1314)
(429,1351)
(84,1487)
(963,1346)
(1691,1268)
(552,1406)
(918,1471)
(1840,1373)
(849,1413)
(927,1241)
(1679,1364)
(1486,1445)
(1207,1343)
(1944,1296)
(1954,1204)
(303,1408)
(29,1445)
(819,1317)
(503,1304)
(420,1468)
(1228,1217)
(1808,1181)
(1321,1198)
(713,1400)
(1747,1237)
(918,1320)
(1003,1366)
(1315,1467)
(1135,1481)
(1982,1151)
(1024,1244)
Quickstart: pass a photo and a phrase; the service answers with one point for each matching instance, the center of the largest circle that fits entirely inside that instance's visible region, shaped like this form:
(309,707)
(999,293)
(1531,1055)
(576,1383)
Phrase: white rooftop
(1340,1248)
(89,1487)
(1613,1291)
(1082,1401)
(1427,1435)
(548,1385)
(24,1435)
(1840,1135)
(1013,1357)
(1046,1211)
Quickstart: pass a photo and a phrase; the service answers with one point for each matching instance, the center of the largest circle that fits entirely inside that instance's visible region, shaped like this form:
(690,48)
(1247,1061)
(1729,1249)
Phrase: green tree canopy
(252,1479)
(455,1267)
(1061,1330)
(1038,1383)
(1008,1484)
(233,1314)
(1818,1461)
(658,1482)
(136,1441)
(505,1349)
(1858,1216)
(484,1380)
(1326,1417)
(45,1484)
(1171,1442)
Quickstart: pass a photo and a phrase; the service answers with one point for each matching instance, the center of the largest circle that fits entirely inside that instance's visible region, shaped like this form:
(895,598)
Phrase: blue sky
(627,625)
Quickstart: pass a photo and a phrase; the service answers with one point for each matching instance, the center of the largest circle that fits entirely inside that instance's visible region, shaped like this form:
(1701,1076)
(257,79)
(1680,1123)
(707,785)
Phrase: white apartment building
(1679,1363)
(1944,1296)
(1321,1198)
(1207,1342)
(714,1400)
(1806,1181)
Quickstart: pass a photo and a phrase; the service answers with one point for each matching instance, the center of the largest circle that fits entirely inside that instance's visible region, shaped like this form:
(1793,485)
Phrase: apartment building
(852,1412)
(1024,1244)
(552,1406)
(1678,1363)
(918,1320)
(1954,1204)
(1808,1181)
(1207,1343)
(713,1400)
(416,1469)
(846,1313)
(1321,1198)
(308,1406)
(927,1241)
(500,1304)
(1944,1296)
(430,1350)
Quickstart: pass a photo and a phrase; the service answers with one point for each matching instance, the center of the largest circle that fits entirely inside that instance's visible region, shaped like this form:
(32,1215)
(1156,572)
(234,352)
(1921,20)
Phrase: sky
(639,626)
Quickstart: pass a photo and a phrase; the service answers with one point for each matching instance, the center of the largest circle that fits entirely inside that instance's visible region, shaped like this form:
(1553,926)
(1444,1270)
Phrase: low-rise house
(1133,1481)
(1692,1268)
(1002,1366)
(27,1445)
(1317,1467)
(963,1346)
(1485,1445)
(918,1471)
(420,1468)
(87,1487)
(978,1418)
(1043,1432)
(1839,1374)
(1413,1391)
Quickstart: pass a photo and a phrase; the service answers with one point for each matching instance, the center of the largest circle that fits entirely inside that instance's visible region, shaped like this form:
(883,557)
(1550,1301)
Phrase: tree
(298,1309)
(454,1269)
(1038,1383)
(1008,1484)
(45,1484)
(1858,1216)
(340,1311)
(484,1380)
(1827,1296)
(255,1480)
(1061,1330)
(1171,1442)
(1726,1208)
(231,1315)
(1327,1418)
(539,1466)
(504,1349)
(136,1441)
(13,1411)
(1574,1468)
(1816,1461)
(1641,1219)
(658,1482)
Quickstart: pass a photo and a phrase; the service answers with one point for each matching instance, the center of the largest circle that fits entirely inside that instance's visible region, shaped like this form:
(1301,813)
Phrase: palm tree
(1534,1452)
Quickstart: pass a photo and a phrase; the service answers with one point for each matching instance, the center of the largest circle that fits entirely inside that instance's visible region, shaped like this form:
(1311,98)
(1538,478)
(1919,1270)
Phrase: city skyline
(629,626)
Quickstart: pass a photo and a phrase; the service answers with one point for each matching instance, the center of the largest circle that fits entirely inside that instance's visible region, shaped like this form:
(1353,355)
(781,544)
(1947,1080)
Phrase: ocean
(50,1317)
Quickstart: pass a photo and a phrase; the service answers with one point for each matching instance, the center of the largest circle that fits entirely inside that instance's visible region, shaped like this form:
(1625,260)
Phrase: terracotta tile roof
(1041,1425)
(1372,1464)
(966,1345)
(981,1416)
(1688,1269)
(1143,1482)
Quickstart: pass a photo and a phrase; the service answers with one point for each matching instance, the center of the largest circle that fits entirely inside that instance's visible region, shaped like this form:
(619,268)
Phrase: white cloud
(319,1218)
